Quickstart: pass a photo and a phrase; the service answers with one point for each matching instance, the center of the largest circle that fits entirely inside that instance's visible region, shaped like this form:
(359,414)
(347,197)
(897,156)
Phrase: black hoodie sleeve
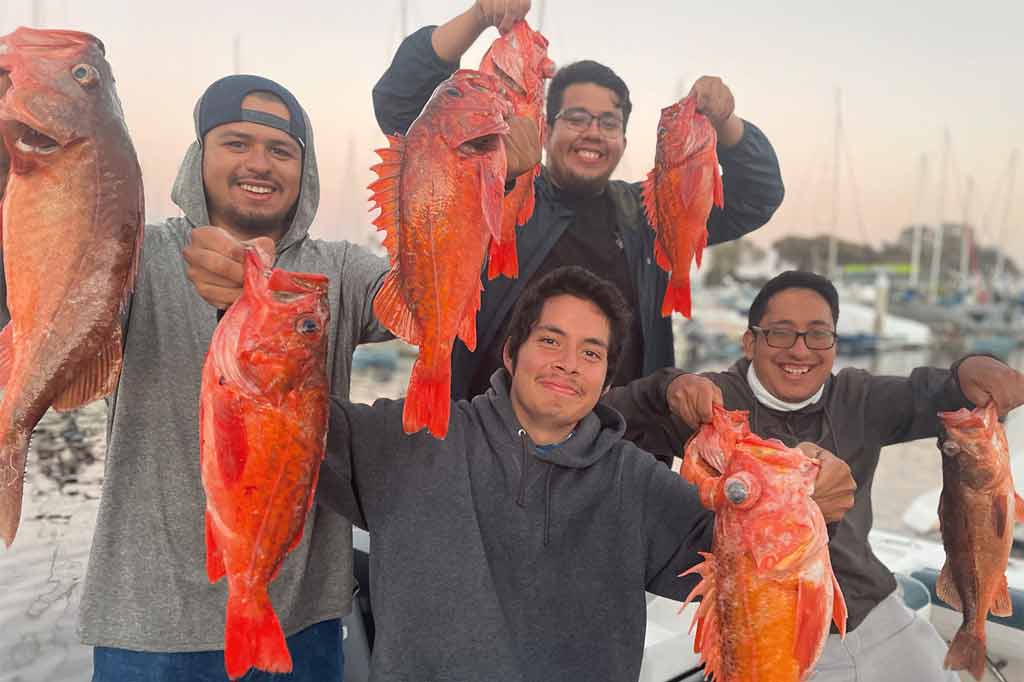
(649,424)
(403,90)
(751,184)
(676,528)
(906,408)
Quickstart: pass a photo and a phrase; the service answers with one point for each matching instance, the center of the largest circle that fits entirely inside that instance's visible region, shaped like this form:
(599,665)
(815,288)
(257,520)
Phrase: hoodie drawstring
(521,497)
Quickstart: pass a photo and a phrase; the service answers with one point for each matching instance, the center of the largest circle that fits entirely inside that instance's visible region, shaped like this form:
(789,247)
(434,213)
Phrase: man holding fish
(580,216)
(785,381)
(521,546)
(148,606)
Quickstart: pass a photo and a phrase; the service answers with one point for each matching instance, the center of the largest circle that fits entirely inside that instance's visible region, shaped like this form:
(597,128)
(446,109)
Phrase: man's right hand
(215,263)
(501,13)
(690,397)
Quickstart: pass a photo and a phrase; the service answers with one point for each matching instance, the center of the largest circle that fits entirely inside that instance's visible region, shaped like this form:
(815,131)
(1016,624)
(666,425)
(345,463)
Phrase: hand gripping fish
(767,592)
(71,235)
(977,509)
(678,194)
(263,428)
(520,60)
(440,191)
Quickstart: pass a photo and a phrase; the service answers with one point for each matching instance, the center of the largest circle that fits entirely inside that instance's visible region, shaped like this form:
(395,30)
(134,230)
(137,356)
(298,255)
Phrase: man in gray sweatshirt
(148,608)
(521,546)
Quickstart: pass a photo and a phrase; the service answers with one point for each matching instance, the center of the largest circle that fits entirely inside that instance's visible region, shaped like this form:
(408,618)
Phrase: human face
(792,374)
(582,161)
(560,369)
(252,174)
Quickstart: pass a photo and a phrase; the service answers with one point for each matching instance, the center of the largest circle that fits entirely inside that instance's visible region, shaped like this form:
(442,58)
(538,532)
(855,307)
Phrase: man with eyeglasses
(785,381)
(581,217)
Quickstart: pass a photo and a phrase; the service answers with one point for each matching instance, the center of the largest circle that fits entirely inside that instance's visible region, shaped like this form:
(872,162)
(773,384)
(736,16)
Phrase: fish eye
(307,325)
(85,74)
(741,490)
(454,92)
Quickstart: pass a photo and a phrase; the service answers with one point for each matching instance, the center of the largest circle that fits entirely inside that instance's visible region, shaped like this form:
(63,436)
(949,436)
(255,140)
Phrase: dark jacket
(496,560)
(857,415)
(752,184)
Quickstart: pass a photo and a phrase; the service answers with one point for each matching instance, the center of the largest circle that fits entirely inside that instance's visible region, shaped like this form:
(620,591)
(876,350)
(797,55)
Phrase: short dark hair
(587,71)
(794,279)
(575,281)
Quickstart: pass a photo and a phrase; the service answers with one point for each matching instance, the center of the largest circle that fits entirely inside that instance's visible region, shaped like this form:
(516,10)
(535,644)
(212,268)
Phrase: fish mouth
(31,141)
(479,146)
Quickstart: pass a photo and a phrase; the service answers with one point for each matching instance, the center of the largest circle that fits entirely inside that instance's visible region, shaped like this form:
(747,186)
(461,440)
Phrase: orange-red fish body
(977,509)
(520,60)
(440,193)
(263,427)
(71,234)
(768,591)
(678,195)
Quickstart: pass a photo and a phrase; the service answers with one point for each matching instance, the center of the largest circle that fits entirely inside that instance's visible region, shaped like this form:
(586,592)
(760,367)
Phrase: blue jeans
(316,652)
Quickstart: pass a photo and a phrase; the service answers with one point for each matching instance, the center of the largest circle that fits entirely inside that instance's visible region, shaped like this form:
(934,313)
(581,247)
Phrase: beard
(257,224)
(577,184)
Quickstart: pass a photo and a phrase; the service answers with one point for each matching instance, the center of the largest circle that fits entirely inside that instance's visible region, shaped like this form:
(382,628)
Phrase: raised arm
(432,54)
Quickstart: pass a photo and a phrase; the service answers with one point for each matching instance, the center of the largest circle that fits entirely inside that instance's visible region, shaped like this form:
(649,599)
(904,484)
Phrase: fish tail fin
(13,451)
(967,652)
(503,259)
(677,297)
(428,401)
(253,637)
(6,354)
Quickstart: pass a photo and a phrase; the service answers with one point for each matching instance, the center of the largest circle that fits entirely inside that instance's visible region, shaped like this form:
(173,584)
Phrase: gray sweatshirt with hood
(146,587)
(495,560)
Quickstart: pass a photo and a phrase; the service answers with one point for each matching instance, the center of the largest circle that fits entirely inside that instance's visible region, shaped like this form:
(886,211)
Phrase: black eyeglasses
(780,337)
(579,119)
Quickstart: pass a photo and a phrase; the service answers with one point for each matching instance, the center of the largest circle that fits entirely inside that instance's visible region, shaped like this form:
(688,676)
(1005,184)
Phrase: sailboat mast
(918,229)
(965,238)
(1000,251)
(833,247)
(933,284)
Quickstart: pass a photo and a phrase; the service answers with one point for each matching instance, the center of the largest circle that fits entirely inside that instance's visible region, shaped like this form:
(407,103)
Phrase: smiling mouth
(562,389)
(588,154)
(795,371)
(256,189)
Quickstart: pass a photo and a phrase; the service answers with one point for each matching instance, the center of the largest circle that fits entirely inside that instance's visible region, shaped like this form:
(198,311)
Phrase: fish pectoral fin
(1000,514)
(96,379)
(946,588)
(215,569)
(393,312)
(811,605)
(1018,503)
(492,194)
(1003,605)
(839,611)
(6,353)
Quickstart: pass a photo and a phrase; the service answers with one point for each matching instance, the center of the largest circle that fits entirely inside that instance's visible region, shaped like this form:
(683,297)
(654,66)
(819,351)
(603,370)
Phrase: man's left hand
(522,146)
(715,100)
(834,487)
(983,379)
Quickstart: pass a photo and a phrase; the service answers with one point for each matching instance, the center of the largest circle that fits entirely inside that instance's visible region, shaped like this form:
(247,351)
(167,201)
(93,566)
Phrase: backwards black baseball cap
(222,103)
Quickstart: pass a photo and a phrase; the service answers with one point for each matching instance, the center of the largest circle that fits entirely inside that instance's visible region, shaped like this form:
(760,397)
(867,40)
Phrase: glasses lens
(819,340)
(780,338)
(609,123)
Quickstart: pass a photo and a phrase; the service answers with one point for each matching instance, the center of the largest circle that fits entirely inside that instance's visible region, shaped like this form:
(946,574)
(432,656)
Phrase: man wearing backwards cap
(148,608)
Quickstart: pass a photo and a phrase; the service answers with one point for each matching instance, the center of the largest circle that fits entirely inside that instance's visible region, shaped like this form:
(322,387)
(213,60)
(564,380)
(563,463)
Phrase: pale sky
(906,71)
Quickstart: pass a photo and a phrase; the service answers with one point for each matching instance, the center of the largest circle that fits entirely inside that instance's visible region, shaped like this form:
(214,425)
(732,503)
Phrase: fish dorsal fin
(650,200)
(708,639)
(386,190)
(97,378)
(6,353)
(393,312)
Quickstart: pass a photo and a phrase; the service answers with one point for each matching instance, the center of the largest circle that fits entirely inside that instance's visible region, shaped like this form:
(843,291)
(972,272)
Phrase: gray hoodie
(493,559)
(146,587)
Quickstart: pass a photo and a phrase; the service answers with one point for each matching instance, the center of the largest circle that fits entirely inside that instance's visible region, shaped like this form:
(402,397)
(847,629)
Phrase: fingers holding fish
(834,487)
(522,146)
(691,397)
(502,13)
(983,379)
(715,100)
(216,263)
